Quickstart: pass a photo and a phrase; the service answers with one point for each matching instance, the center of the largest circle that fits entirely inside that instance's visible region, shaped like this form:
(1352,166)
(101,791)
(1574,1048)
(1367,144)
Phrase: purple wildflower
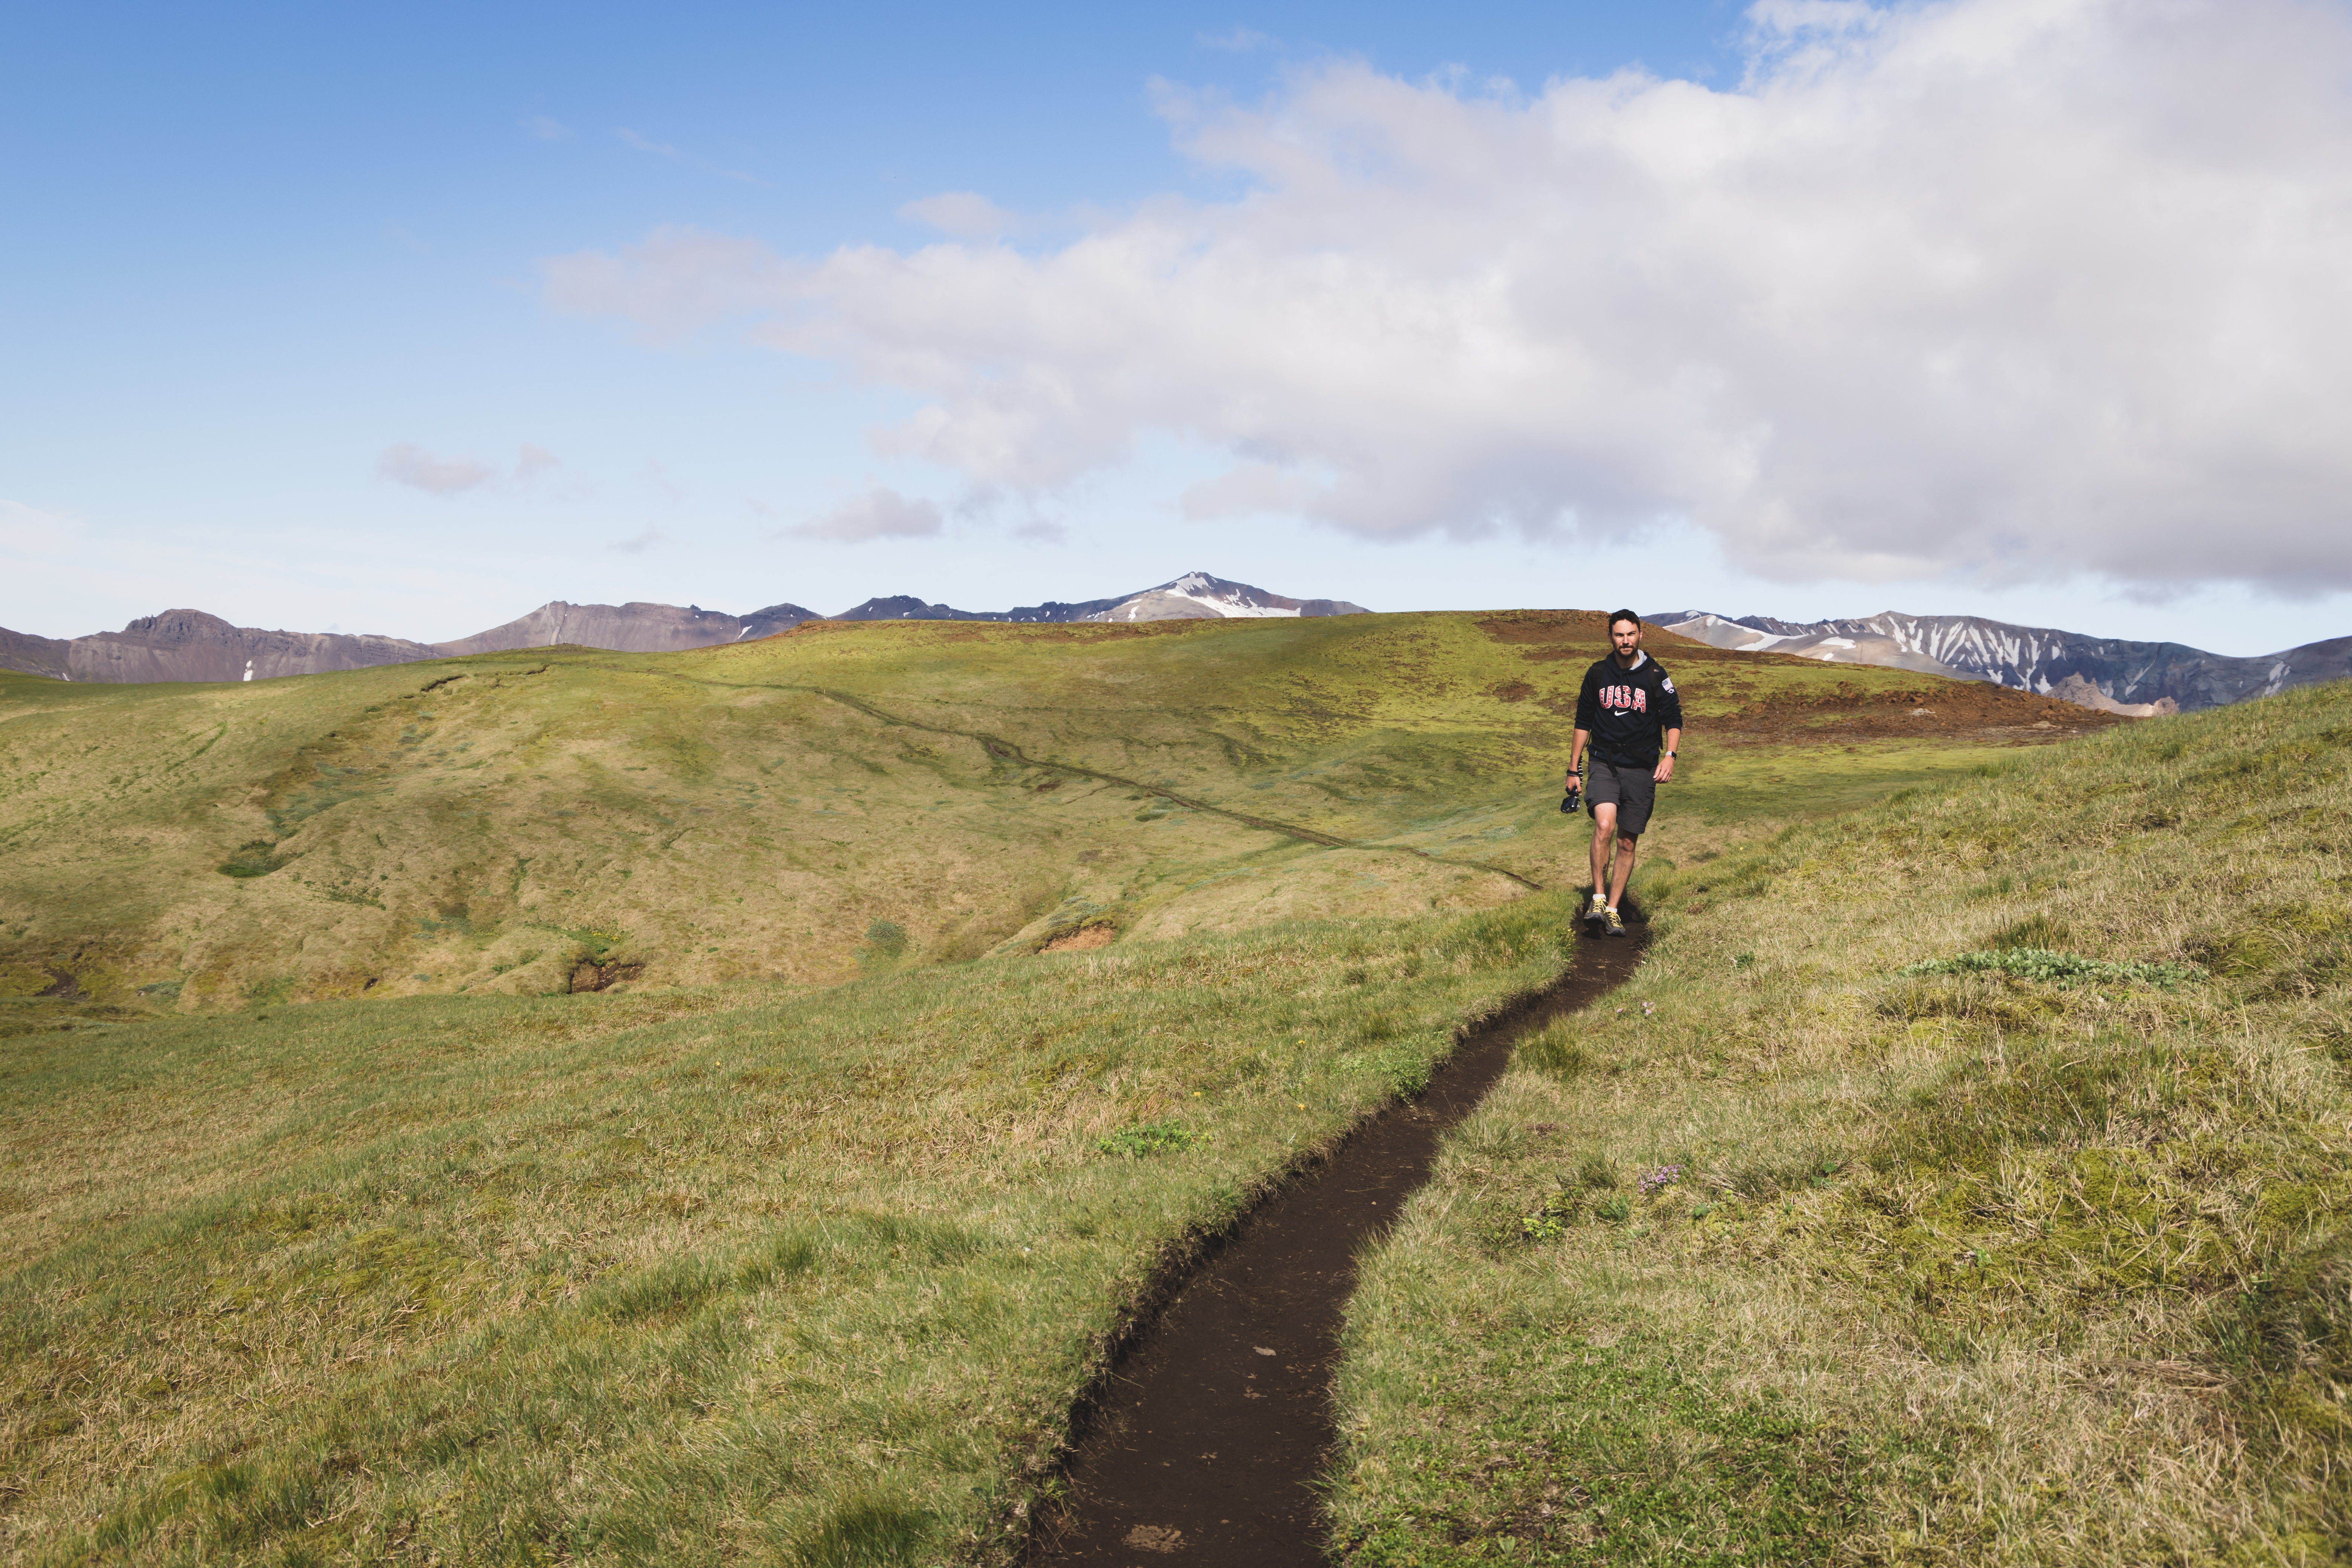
(1652,1183)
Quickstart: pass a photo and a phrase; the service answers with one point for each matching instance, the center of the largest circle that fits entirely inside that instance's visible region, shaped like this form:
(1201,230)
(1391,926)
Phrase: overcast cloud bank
(1995,288)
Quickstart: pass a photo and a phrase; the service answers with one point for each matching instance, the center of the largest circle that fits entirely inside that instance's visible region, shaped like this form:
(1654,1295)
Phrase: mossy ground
(1787,1256)
(705,1275)
(758,811)
(335,1234)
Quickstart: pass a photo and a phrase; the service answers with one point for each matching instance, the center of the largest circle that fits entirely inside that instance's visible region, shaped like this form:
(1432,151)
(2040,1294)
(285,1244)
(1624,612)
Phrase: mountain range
(2116,675)
(189,645)
(2113,675)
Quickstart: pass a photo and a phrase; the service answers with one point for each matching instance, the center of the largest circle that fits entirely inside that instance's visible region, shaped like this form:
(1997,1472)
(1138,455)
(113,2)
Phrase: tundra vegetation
(843,798)
(1963,1179)
(721,1106)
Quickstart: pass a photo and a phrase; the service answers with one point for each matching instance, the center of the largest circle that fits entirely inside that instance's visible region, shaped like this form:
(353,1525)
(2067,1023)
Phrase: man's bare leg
(1624,873)
(1604,828)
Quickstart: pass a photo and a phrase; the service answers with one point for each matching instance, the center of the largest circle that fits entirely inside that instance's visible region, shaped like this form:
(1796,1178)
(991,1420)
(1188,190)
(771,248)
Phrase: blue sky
(295,329)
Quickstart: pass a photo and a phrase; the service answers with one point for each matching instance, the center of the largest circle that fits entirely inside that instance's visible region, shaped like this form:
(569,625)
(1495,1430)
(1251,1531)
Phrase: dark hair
(1616,616)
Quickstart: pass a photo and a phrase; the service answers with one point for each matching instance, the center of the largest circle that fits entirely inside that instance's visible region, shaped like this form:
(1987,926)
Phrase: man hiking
(1627,703)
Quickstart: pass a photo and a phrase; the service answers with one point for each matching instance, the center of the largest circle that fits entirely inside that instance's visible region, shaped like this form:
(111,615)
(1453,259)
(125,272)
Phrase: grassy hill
(705,1276)
(336,1231)
(1964,1179)
(845,799)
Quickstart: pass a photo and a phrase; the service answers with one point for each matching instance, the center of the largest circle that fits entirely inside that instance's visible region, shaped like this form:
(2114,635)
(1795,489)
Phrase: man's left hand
(1664,771)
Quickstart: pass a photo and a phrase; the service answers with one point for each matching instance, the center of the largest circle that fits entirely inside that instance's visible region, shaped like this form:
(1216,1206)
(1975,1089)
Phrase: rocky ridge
(2113,674)
(189,645)
(634,627)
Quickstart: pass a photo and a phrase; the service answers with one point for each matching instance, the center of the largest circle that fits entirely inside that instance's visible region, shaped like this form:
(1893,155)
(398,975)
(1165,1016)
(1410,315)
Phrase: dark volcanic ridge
(189,645)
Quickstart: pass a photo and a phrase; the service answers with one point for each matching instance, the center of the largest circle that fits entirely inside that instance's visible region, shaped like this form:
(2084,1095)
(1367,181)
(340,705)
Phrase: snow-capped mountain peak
(2110,673)
(1197,595)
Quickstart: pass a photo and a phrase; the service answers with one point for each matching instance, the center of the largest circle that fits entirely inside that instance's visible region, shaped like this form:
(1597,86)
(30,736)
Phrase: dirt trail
(1205,1445)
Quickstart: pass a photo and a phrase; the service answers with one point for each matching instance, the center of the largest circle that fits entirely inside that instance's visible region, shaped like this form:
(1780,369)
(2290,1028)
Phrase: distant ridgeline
(2135,678)
(189,645)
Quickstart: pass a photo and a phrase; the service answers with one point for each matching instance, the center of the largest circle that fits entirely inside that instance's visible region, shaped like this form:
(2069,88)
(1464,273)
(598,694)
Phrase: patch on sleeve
(1667,681)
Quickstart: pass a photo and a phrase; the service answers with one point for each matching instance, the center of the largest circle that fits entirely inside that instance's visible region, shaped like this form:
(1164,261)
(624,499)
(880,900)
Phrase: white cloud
(419,470)
(677,280)
(961,212)
(881,514)
(638,544)
(2008,288)
(644,143)
(1236,41)
(413,465)
(545,129)
(20,521)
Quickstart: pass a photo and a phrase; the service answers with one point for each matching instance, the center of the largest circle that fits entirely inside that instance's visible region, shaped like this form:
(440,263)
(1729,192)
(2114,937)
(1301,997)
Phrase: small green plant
(2057,968)
(1151,1138)
(885,943)
(2036,932)
(1550,1222)
(1556,1051)
(257,858)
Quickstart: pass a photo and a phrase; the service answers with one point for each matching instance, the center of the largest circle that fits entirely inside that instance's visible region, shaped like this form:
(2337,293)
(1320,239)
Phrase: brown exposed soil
(1586,628)
(590,976)
(1032,631)
(1950,709)
(1873,705)
(1204,1442)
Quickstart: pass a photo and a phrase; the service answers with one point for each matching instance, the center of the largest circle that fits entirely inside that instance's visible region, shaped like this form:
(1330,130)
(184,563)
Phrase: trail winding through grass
(1212,1429)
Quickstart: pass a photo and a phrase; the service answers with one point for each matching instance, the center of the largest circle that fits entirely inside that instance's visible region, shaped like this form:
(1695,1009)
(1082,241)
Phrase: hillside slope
(698,1277)
(1960,1180)
(848,797)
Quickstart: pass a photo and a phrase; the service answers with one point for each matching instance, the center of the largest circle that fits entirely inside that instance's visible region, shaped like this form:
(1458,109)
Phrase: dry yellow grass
(821,805)
(1786,1255)
(697,1277)
(728,1267)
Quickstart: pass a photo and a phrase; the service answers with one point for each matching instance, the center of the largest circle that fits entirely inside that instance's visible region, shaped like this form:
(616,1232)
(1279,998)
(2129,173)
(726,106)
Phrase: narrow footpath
(1214,1425)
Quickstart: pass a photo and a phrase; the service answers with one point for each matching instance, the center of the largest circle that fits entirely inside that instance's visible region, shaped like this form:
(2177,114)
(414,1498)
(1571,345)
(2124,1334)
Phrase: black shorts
(1631,791)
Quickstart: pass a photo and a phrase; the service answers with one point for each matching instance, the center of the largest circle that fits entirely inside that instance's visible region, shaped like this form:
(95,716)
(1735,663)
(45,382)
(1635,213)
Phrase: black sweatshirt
(1626,711)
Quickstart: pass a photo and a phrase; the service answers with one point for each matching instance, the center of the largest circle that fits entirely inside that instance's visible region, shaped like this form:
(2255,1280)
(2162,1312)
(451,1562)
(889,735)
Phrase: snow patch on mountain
(1198,597)
(2111,674)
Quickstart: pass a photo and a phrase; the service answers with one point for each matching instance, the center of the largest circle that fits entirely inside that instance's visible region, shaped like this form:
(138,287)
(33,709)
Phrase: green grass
(1913,1203)
(2056,968)
(704,1276)
(840,801)
(336,1232)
